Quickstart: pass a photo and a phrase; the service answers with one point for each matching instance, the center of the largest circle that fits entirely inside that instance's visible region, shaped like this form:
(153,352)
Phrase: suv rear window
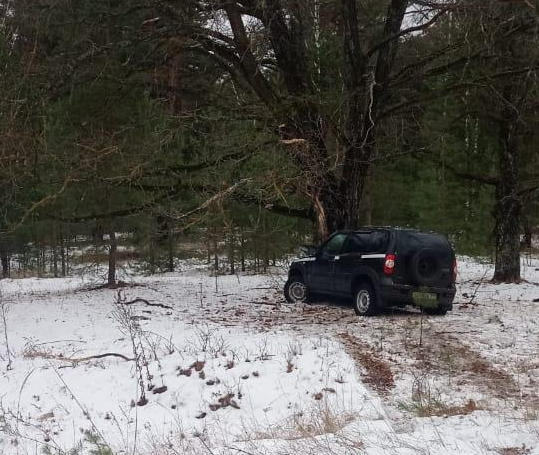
(409,242)
(367,242)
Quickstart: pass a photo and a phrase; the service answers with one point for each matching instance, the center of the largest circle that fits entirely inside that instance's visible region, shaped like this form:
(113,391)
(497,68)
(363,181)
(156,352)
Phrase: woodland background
(237,130)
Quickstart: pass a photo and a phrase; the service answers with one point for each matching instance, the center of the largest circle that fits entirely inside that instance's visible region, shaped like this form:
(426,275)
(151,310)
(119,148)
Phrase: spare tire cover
(426,267)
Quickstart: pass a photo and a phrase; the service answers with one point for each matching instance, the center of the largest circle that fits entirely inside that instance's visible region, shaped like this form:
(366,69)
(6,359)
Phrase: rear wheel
(295,290)
(365,300)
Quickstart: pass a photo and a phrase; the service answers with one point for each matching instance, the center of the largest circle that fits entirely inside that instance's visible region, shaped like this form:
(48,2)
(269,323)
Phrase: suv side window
(352,245)
(333,246)
(367,242)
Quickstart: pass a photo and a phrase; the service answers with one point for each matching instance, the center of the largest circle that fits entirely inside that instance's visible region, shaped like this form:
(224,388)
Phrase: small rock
(46,416)
(139,318)
(318,396)
(198,365)
(200,416)
(161,389)
(225,400)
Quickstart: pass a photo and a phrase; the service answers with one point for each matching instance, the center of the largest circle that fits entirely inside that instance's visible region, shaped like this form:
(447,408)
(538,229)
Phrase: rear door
(322,269)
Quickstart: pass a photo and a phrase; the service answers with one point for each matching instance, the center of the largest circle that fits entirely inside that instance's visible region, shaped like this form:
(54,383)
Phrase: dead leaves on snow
(375,371)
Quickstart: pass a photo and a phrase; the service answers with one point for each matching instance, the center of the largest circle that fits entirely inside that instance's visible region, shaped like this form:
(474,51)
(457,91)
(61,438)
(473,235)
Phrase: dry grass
(319,420)
(446,355)
(376,371)
(437,408)
(514,450)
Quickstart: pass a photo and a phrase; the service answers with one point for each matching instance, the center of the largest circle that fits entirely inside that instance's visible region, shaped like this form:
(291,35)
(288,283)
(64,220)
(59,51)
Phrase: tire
(295,290)
(437,311)
(426,267)
(365,301)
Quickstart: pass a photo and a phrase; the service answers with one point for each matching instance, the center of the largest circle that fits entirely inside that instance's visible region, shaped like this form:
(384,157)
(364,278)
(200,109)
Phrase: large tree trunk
(507,264)
(113,248)
(366,87)
(508,204)
(335,195)
(353,183)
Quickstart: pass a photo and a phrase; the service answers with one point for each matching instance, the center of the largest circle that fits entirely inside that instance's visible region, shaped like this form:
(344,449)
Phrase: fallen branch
(141,300)
(101,356)
(75,360)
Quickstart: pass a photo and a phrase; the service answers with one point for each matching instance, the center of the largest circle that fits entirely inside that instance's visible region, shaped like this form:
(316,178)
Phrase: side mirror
(309,250)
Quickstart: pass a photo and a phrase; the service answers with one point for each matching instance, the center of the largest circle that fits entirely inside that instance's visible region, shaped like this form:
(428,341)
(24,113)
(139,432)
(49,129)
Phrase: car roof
(364,229)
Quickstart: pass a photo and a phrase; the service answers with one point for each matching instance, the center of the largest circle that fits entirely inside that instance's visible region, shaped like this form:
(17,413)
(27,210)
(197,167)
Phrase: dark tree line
(119,114)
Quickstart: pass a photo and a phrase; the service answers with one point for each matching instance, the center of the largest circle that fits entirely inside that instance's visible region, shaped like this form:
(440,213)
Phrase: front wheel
(365,300)
(295,290)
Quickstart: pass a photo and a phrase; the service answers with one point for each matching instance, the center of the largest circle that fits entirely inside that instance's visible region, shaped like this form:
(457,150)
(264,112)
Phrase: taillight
(389,264)
(455,270)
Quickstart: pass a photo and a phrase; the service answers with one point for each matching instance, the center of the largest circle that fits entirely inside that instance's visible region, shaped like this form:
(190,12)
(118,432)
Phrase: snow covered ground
(224,366)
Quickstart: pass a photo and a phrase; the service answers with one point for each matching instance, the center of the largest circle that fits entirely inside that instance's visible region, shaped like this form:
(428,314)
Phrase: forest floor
(228,368)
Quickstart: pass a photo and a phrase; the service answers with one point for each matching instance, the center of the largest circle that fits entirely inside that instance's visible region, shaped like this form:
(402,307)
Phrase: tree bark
(527,228)
(242,250)
(113,248)
(4,258)
(368,199)
(231,251)
(63,257)
(508,205)
(55,260)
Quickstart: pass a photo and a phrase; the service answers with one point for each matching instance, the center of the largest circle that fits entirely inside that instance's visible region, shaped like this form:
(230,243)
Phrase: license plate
(425,299)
